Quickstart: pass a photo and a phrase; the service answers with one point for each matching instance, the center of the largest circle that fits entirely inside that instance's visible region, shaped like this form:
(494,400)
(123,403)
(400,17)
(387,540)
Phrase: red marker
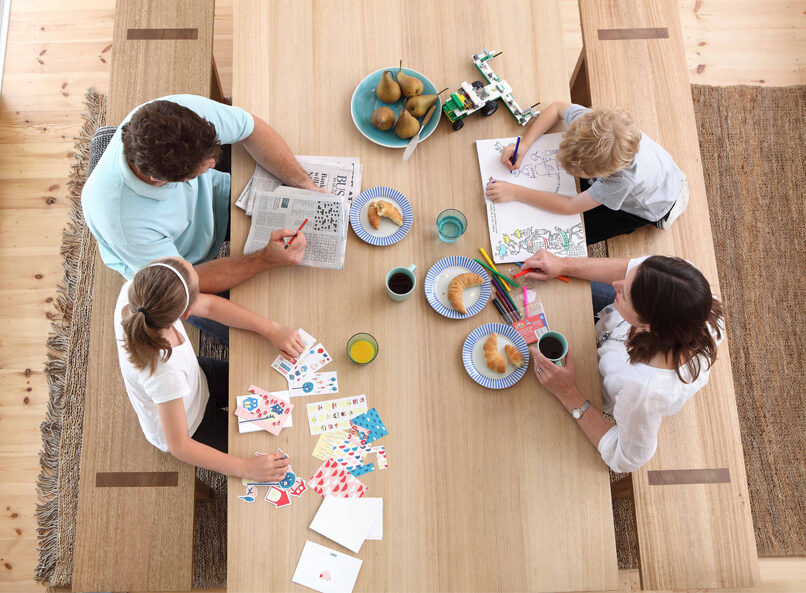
(522,272)
(295,234)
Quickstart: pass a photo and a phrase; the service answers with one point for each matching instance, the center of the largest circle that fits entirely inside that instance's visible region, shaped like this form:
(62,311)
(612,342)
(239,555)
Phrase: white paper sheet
(349,521)
(518,230)
(326,570)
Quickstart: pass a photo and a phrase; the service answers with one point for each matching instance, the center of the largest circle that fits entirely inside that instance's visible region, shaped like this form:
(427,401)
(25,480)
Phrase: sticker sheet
(326,442)
(246,425)
(335,414)
(284,366)
(317,384)
(311,360)
(264,410)
(332,479)
(368,427)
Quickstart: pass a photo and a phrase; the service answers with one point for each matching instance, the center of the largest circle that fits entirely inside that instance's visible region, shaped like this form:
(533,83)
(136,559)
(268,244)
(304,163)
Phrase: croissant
(494,359)
(372,215)
(514,356)
(457,287)
(389,211)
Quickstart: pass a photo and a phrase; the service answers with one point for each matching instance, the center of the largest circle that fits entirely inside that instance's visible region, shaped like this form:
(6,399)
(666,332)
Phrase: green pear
(410,85)
(407,125)
(419,104)
(388,90)
(383,118)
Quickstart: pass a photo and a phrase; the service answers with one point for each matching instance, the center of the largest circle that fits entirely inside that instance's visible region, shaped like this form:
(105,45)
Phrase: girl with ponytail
(656,344)
(179,398)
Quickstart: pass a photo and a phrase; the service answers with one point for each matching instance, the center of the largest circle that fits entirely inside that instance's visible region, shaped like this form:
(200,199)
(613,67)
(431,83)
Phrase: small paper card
(278,497)
(312,360)
(368,427)
(247,426)
(317,384)
(335,414)
(265,410)
(331,478)
(284,366)
(348,521)
(327,441)
(326,570)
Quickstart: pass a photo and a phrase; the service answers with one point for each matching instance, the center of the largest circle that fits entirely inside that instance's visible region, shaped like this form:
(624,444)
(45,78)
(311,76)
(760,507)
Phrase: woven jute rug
(753,144)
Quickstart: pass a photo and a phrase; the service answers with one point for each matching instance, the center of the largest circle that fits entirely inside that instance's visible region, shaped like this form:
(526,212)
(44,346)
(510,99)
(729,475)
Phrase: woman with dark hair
(656,344)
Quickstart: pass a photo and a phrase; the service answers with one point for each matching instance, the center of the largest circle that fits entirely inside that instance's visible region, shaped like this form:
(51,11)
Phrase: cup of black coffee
(553,346)
(400,283)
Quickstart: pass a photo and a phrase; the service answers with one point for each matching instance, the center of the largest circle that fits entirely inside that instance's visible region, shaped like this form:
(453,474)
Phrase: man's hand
(501,191)
(310,185)
(267,468)
(544,265)
(276,254)
(506,157)
(286,340)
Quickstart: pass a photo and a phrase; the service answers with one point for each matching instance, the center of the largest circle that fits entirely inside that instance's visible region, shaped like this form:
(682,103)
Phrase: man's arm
(272,153)
(222,274)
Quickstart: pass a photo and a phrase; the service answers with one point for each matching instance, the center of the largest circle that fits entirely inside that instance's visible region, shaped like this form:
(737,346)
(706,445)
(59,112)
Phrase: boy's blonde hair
(599,143)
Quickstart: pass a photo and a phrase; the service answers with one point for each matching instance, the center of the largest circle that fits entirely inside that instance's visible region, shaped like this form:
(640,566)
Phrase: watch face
(576,414)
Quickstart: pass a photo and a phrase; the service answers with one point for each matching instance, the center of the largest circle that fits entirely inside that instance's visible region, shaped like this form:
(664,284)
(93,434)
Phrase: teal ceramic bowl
(365,101)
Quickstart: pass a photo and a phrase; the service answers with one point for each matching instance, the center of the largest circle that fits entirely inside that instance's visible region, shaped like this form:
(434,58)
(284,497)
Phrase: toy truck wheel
(457,125)
(489,108)
(478,85)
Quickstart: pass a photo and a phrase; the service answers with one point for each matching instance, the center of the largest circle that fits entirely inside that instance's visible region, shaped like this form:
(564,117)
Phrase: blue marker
(515,154)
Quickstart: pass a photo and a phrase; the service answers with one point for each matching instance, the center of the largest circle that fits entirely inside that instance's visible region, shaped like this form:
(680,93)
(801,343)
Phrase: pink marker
(525,302)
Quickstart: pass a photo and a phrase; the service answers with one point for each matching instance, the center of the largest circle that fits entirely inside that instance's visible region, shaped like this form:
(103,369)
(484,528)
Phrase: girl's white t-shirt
(638,396)
(179,376)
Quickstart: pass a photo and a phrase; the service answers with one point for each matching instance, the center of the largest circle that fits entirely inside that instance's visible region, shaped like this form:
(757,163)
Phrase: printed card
(335,414)
(284,366)
(326,442)
(251,494)
(368,427)
(265,410)
(332,479)
(246,425)
(311,361)
(326,570)
(278,497)
(317,384)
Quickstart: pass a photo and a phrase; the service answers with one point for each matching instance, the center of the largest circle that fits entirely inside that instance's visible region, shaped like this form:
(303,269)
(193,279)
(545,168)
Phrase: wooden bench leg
(202,491)
(621,488)
(580,88)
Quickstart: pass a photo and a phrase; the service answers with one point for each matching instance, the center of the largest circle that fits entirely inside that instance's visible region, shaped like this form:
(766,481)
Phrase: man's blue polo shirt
(136,223)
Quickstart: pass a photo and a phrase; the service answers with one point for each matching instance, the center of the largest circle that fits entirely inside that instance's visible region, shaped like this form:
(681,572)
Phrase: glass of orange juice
(362,348)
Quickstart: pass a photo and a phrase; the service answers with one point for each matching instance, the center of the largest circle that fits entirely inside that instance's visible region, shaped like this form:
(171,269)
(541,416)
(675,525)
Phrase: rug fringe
(57,364)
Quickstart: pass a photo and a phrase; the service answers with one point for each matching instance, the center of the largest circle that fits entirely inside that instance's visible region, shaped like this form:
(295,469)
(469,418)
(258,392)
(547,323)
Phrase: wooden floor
(57,49)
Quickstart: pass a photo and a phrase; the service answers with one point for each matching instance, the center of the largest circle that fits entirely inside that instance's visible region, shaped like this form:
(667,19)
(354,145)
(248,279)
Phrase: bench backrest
(135,514)
(691,501)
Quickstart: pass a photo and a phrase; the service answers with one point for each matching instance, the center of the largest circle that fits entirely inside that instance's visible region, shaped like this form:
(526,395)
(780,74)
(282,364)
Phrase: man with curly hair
(155,194)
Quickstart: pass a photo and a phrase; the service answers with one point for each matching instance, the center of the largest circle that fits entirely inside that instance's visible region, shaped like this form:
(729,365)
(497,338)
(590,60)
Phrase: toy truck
(477,96)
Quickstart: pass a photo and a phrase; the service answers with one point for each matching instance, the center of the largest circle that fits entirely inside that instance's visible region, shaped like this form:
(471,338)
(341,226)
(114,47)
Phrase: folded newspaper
(287,207)
(340,176)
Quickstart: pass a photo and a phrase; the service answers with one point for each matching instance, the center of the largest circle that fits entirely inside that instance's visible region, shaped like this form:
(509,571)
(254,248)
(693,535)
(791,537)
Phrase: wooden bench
(691,502)
(134,527)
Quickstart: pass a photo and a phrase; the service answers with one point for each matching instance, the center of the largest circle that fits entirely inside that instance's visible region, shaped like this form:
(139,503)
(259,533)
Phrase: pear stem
(443,90)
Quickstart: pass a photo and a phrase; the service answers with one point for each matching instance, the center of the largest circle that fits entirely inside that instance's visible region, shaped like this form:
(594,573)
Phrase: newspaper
(287,207)
(340,176)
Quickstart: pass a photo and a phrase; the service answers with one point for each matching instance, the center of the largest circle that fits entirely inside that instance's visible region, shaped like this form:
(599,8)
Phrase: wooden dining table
(486,490)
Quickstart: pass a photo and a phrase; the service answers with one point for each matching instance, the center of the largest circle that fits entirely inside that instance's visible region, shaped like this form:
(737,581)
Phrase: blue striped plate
(388,233)
(473,356)
(440,276)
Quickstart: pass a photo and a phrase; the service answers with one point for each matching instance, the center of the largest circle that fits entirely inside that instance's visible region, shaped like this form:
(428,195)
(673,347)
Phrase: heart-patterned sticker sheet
(332,479)
(265,410)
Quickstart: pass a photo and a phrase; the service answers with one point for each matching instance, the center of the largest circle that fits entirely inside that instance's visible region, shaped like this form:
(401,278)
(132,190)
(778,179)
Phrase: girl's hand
(506,156)
(286,340)
(544,265)
(558,380)
(267,468)
(501,191)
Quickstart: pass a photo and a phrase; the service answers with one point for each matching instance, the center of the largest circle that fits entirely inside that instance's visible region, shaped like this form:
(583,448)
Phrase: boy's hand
(267,468)
(506,157)
(286,340)
(544,265)
(501,191)
(277,255)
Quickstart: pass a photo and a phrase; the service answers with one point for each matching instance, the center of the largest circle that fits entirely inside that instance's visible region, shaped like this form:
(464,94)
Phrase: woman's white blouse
(638,396)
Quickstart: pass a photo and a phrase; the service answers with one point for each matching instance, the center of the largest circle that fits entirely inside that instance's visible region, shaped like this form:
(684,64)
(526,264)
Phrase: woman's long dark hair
(675,299)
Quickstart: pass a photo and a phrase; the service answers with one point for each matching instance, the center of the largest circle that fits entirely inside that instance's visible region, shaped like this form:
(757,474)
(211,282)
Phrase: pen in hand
(287,245)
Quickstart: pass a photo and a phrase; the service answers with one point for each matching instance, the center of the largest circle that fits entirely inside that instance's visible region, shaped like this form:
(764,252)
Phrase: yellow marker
(492,265)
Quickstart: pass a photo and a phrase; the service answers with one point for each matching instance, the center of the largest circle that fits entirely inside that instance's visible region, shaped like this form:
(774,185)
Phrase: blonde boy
(633,180)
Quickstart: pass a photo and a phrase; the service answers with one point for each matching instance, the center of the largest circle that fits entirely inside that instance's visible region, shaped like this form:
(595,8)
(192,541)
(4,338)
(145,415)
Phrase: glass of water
(450,225)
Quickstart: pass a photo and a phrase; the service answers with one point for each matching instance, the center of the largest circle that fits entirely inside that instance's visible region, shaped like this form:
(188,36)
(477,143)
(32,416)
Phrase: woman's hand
(544,265)
(501,191)
(286,340)
(506,157)
(558,380)
(267,468)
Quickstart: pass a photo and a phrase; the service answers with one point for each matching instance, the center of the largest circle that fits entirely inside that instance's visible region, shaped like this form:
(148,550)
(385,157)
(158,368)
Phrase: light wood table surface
(486,490)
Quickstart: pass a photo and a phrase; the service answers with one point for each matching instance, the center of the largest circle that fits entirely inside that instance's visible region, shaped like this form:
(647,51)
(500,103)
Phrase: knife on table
(413,142)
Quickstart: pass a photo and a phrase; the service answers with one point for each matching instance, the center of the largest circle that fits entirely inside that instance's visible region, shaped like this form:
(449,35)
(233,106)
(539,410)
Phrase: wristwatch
(577,412)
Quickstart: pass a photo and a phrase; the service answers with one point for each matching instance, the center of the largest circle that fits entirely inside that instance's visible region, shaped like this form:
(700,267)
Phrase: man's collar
(139,186)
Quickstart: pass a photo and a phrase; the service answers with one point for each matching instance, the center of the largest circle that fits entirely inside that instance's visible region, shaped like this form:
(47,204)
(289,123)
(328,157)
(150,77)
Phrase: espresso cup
(553,346)
(400,283)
